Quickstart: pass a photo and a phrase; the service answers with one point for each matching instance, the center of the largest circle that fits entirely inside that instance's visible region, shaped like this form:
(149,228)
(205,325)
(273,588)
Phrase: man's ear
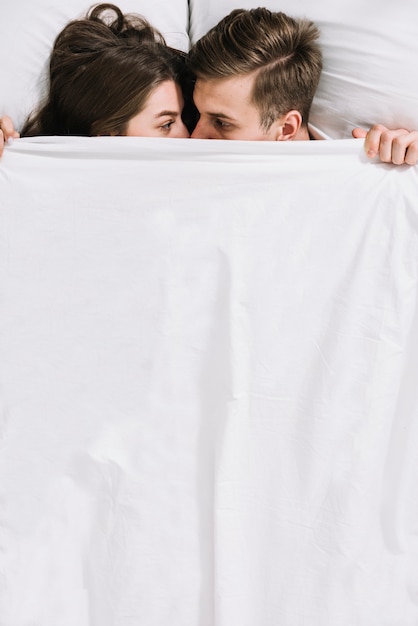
(288,126)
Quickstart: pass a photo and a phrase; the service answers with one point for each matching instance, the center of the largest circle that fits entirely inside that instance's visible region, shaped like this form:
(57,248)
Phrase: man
(257,72)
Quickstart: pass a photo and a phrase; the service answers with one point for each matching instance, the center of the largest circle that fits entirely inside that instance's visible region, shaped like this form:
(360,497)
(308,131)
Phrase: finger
(411,157)
(393,146)
(373,139)
(359,133)
(399,148)
(405,149)
(1,142)
(8,129)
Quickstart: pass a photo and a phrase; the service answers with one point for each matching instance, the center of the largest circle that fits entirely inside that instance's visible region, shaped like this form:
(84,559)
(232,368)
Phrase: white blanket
(208,384)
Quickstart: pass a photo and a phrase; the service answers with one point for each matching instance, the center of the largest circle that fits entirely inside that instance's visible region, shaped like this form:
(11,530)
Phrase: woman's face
(161,116)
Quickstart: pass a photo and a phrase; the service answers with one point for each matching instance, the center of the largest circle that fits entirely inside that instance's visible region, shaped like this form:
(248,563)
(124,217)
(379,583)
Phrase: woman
(113,74)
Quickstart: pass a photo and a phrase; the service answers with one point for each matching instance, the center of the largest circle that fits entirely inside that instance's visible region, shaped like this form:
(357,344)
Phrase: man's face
(226,111)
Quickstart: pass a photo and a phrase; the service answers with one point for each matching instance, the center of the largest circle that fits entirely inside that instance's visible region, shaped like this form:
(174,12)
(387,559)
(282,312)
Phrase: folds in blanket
(208,390)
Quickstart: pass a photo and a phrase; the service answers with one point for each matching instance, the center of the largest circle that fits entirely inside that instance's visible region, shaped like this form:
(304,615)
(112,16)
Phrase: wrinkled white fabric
(208,399)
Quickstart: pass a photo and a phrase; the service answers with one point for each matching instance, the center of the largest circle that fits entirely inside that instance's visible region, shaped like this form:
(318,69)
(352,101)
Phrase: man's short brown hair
(282,52)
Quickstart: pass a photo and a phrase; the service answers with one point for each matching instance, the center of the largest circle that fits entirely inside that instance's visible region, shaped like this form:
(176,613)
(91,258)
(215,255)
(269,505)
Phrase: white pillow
(370,52)
(29,28)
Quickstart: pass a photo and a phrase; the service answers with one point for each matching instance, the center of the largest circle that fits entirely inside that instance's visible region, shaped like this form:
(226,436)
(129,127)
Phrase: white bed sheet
(208,357)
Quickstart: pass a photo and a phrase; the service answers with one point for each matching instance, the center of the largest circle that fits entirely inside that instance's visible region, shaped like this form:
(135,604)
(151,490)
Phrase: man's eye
(221,124)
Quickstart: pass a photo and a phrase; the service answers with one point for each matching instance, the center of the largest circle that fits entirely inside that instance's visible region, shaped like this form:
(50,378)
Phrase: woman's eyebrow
(164,113)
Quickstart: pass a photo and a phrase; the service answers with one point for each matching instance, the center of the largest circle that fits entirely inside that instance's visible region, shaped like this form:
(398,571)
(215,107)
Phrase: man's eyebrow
(222,115)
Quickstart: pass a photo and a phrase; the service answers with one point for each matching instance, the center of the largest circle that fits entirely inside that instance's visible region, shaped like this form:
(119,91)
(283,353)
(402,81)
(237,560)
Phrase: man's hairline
(229,77)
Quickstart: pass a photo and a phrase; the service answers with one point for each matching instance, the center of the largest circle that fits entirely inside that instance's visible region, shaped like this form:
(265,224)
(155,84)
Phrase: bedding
(208,351)
(208,407)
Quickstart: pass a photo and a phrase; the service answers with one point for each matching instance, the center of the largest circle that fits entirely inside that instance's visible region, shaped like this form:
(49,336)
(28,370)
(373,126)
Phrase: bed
(208,355)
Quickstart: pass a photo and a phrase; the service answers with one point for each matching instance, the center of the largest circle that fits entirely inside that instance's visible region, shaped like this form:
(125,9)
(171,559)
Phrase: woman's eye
(167,126)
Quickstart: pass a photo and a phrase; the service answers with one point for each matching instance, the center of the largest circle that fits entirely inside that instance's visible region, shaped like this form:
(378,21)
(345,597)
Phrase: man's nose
(201,131)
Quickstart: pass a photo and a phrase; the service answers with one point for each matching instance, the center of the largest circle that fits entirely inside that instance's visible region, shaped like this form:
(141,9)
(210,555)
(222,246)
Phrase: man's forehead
(228,90)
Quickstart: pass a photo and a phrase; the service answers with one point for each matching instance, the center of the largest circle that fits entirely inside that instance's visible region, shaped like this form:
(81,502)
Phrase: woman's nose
(182,132)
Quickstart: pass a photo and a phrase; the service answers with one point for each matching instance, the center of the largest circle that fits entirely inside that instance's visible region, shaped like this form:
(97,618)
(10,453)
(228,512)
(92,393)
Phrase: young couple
(251,77)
